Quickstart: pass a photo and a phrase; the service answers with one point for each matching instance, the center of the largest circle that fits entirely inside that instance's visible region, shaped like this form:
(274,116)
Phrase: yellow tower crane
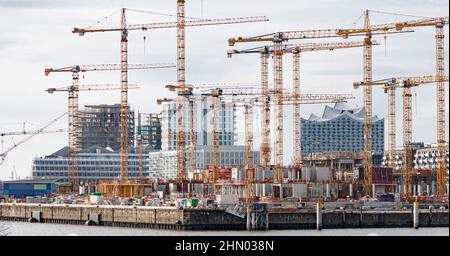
(74,132)
(180,24)
(295,50)
(74,125)
(406,83)
(368,32)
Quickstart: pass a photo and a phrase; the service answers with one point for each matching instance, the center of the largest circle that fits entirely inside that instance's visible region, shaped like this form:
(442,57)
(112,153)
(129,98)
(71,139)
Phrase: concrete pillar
(415,190)
(374,192)
(267,220)
(416,212)
(281,191)
(428,190)
(351,190)
(419,189)
(249,223)
(319,216)
(253,221)
(328,191)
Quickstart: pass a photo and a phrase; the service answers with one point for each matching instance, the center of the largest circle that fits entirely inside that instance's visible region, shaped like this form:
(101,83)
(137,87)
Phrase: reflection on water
(41,229)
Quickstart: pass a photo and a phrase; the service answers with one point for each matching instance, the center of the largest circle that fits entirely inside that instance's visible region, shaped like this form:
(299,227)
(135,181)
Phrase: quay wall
(171,218)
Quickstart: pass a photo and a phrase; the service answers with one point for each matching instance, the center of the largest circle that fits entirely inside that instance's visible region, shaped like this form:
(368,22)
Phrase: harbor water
(45,229)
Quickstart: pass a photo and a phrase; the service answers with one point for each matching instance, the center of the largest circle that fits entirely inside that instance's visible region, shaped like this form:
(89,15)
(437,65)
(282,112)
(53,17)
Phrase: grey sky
(37,34)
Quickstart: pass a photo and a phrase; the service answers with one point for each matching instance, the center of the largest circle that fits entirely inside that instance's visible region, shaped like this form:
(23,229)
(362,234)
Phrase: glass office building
(340,129)
(93,164)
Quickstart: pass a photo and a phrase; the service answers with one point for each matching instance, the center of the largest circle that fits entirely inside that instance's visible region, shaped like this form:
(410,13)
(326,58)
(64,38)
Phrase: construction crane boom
(92,87)
(3,154)
(163,25)
(2,134)
(106,67)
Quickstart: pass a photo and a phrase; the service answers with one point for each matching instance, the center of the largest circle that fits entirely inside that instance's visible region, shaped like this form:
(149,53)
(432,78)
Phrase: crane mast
(278,109)
(265,110)
(297,114)
(124,143)
(440,87)
(368,161)
(181,82)
(407,140)
(392,125)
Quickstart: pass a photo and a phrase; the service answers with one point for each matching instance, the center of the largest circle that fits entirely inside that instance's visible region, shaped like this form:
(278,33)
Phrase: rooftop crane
(3,154)
(406,83)
(73,98)
(368,32)
(74,128)
(295,50)
(180,24)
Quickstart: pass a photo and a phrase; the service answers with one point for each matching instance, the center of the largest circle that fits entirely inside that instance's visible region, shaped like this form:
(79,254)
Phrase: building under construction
(100,126)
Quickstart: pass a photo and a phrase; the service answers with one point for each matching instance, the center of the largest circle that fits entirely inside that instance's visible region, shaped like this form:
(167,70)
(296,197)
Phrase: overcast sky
(37,34)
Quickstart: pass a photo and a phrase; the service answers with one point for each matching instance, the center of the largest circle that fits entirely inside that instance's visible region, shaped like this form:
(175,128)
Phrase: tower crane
(180,24)
(368,32)
(3,154)
(406,83)
(437,22)
(256,98)
(74,125)
(74,133)
(295,50)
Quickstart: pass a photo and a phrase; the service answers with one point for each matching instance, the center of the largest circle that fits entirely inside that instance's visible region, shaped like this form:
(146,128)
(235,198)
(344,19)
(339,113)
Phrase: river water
(45,229)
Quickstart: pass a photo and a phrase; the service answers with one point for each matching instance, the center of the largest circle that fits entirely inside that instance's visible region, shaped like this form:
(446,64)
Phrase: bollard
(328,195)
(319,216)
(416,212)
(249,227)
(254,221)
(351,190)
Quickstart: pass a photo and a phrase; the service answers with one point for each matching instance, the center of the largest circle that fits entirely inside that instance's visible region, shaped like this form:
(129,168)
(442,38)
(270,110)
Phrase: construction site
(183,163)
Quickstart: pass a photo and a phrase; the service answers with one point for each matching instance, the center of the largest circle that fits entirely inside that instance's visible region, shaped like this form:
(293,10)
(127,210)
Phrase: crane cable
(398,14)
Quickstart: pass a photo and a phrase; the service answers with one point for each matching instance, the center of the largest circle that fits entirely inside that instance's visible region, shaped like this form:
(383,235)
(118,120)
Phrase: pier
(172,218)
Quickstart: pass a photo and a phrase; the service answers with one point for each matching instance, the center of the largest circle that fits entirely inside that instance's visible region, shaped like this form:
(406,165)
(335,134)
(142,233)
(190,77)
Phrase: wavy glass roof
(340,110)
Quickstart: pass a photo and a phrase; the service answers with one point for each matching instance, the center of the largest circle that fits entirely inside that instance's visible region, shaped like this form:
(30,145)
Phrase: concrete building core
(100,126)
